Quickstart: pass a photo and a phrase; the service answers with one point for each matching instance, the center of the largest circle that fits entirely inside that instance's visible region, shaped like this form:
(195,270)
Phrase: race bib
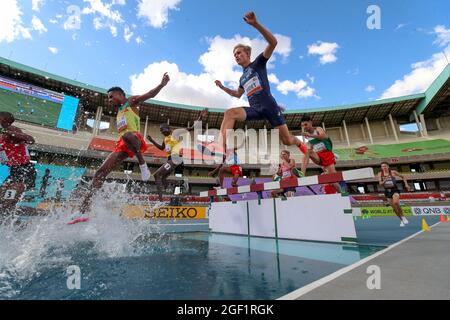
(10,195)
(319,147)
(388,183)
(287,174)
(168,148)
(122,124)
(3,157)
(252,86)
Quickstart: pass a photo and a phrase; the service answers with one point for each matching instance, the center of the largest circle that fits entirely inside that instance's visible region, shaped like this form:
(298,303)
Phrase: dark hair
(306,118)
(164,126)
(384,162)
(8,116)
(117,89)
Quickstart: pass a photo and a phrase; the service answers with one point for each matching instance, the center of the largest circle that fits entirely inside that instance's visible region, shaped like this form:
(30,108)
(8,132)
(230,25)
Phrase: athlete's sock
(145,172)
(303,148)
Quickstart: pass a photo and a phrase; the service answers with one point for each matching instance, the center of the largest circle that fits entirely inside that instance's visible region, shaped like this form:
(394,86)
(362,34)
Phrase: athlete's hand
(250,18)
(219,84)
(211,173)
(165,80)
(408,187)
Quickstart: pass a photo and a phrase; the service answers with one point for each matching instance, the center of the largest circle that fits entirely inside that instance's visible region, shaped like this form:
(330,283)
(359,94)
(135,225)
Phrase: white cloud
(183,88)
(400,25)
(353,72)
(104,15)
(97,23)
(113,30)
(299,87)
(139,40)
(273,78)
(420,78)
(53,21)
(104,10)
(310,78)
(127,34)
(38,25)
(35,4)
(53,50)
(370,88)
(443,35)
(218,64)
(219,60)
(11,26)
(157,11)
(326,51)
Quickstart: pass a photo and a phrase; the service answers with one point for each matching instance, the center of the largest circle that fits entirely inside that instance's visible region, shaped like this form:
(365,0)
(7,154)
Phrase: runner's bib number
(319,147)
(10,195)
(122,124)
(388,183)
(252,86)
(287,174)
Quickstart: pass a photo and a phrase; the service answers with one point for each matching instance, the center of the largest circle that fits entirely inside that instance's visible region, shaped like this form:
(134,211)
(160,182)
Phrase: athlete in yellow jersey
(131,142)
(174,154)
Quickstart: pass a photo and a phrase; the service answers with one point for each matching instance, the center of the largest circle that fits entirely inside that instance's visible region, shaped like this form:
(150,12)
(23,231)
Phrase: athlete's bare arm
(250,18)
(380,180)
(203,114)
(234,93)
(405,181)
(17,135)
(159,146)
(134,101)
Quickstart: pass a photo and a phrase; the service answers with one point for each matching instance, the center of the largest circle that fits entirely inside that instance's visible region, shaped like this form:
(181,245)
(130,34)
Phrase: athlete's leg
(332,169)
(396,206)
(222,172)
(229,119)
(235,180)
(310,155)
(161,177)
(134,144)
(10,194)
(113,160)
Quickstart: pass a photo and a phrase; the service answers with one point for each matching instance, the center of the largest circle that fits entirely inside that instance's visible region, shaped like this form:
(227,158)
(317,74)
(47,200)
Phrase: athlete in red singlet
(14,154)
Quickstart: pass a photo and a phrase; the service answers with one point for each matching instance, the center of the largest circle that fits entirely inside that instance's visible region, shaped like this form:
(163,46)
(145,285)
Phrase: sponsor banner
(431,210)
(384,211)
(147,212)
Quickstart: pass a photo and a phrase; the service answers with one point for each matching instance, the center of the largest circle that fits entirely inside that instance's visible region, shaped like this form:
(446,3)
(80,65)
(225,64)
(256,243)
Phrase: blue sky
(327,56)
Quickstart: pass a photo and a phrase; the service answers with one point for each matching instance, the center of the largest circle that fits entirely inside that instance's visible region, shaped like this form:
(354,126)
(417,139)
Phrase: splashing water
(29,245)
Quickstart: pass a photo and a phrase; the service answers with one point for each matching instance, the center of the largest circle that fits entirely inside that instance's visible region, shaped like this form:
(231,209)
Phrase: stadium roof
(434,102)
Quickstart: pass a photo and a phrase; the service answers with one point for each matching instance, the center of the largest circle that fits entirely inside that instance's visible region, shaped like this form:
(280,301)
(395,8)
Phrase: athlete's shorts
(25,174)
(271,113)
(389,193)
(236,170)
(326,158)
(329,189)
(121,146)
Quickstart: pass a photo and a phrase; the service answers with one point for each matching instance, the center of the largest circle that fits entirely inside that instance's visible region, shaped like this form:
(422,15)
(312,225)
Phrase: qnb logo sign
(431,211)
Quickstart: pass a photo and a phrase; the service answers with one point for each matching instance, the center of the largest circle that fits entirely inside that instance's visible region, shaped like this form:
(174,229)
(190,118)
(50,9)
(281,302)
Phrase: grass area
(30,109)
(395,150)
